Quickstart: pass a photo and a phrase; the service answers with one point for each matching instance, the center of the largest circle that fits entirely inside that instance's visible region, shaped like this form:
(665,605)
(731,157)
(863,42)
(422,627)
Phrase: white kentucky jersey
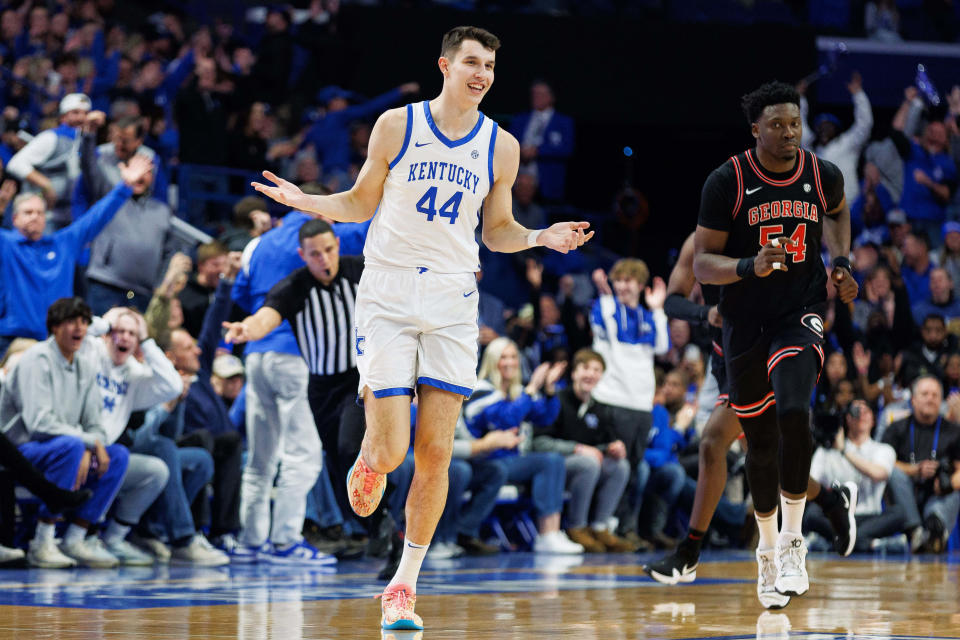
(432,197)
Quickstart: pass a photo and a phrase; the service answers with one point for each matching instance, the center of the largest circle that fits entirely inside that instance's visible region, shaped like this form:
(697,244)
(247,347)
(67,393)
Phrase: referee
(318,301)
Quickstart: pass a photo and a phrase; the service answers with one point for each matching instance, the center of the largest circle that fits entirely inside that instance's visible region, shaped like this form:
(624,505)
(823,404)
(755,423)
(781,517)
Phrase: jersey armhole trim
(493,144)
(406,136)
(816,180)
(739,173)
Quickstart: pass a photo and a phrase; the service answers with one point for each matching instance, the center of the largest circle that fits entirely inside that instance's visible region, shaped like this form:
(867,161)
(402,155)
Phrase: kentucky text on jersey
(118,387)
(436,170)
(783,209)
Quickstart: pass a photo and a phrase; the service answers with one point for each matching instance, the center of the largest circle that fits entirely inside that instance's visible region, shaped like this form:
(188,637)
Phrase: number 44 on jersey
(450,209)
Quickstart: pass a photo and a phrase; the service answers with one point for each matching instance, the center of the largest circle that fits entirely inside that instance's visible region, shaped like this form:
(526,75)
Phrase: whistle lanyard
(933,449)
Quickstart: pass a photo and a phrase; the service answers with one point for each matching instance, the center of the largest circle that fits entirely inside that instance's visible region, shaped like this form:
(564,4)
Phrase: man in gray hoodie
(127,258)
(50,408)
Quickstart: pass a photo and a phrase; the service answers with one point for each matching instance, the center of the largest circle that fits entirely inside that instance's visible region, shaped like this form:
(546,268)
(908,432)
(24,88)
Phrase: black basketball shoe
(842,518)
(679,566)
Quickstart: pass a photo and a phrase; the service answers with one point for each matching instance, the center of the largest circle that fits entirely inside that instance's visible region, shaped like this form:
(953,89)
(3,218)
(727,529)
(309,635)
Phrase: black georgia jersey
(753,205)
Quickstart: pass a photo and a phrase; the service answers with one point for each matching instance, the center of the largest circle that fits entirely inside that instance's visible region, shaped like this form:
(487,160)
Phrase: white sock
(768,530)
(74,535)
(792,514)
(115,532)
(410,561)
(45,532)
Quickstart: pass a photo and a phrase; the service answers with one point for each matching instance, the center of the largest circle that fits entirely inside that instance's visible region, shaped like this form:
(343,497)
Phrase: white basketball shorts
(416,327)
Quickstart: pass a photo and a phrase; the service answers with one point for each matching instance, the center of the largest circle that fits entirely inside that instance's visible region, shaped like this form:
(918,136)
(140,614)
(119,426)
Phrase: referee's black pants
(340,425)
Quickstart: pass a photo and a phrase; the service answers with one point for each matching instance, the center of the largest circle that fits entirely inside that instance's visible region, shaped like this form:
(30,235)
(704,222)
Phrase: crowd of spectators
(588,393)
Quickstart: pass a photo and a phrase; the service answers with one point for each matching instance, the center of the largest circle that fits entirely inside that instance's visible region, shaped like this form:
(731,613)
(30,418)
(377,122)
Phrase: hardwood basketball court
(512,596)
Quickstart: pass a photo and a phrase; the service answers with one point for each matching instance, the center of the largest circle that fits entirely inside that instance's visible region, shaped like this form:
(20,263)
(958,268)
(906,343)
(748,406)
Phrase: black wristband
(745,268)
(843,263)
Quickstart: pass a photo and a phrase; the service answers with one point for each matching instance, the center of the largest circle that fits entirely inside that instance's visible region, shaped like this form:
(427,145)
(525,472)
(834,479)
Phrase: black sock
(694,540)
(827,499)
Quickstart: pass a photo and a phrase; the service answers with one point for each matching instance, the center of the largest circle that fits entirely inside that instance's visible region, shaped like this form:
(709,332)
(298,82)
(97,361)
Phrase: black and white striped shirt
(322,317)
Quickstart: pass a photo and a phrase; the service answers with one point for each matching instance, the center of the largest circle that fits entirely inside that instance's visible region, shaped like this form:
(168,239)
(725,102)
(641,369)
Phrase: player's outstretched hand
(285,192)
(657,294)
(846,284)
(137,167)
(237,333)
(772,257)
(565,236)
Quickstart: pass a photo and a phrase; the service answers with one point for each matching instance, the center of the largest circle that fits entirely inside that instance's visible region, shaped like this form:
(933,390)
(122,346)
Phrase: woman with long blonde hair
(501,402)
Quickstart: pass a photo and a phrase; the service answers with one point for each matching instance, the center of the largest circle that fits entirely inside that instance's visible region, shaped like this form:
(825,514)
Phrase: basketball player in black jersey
(763,216)
(721,430)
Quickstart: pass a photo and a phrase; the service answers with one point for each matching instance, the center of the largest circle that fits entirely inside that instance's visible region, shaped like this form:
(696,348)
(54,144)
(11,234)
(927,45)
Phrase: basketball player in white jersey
(430,167)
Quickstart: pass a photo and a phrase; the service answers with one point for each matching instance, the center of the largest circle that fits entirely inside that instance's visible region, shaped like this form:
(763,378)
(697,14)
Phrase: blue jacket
(204,408)
(917,200)
(552,154)
(35,274)
(489,409)
(267,261)
(330,135)
(664,442)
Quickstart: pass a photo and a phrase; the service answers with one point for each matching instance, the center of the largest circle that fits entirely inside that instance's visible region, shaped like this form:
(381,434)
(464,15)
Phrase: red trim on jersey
(722,399)
(819,351)
(781,355)
(717,349)
(816,180)
(755,409)
(739,172)
(776,183)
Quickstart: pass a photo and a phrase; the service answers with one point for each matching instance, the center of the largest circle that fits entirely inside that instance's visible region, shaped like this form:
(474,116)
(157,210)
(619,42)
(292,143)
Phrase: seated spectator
(878,296)
(133,375)
(169,531)
(525,210)
(929,180)
(917,265)
(27,292)
(227,378)
(941,301)
(50,408)
(501,402)
(929,355)
(596,466)
(829,398)
(251,219)
(863,465)
(948,256)
(546,142)
(927,473)
(196,295)
(206,420)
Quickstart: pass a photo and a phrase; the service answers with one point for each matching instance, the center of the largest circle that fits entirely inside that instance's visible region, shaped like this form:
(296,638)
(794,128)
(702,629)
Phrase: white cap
(227,366)
(73,101)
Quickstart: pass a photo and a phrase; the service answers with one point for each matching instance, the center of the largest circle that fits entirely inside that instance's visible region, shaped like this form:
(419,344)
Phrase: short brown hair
(587,355)
(210,250)
(454,38)
(630,268)
(246,206)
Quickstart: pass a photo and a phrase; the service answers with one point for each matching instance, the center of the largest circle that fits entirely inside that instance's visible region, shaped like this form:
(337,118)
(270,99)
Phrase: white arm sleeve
(35,152)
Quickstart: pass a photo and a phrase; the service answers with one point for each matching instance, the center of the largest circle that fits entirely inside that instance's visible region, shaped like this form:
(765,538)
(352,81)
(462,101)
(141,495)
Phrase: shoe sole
(136,563)
(850,517)
(364,509)
(673,579)
(50,565)
(194,563)
(790,592)
(402,625)
(773,606)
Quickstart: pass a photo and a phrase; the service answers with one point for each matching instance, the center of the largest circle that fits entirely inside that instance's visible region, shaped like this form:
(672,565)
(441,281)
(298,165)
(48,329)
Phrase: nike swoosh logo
(421,144)
(467,295)
(752,191)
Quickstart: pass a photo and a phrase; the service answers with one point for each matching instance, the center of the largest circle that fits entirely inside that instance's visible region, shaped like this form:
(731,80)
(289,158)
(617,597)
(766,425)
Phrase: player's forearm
(712,268)
(259,324)
(836,233)
(341,207)
(509,237)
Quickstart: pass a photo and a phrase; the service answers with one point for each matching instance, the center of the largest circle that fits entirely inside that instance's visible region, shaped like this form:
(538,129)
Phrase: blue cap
(951,227)
(827,117)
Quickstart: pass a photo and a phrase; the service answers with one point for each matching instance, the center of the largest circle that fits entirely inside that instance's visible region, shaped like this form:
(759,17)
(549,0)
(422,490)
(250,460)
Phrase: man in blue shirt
(36,270)
(929,179)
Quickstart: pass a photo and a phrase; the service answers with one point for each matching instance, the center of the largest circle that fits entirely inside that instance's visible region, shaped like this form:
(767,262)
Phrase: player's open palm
(772,257)
(657,294)
(565,236)
(284,192)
